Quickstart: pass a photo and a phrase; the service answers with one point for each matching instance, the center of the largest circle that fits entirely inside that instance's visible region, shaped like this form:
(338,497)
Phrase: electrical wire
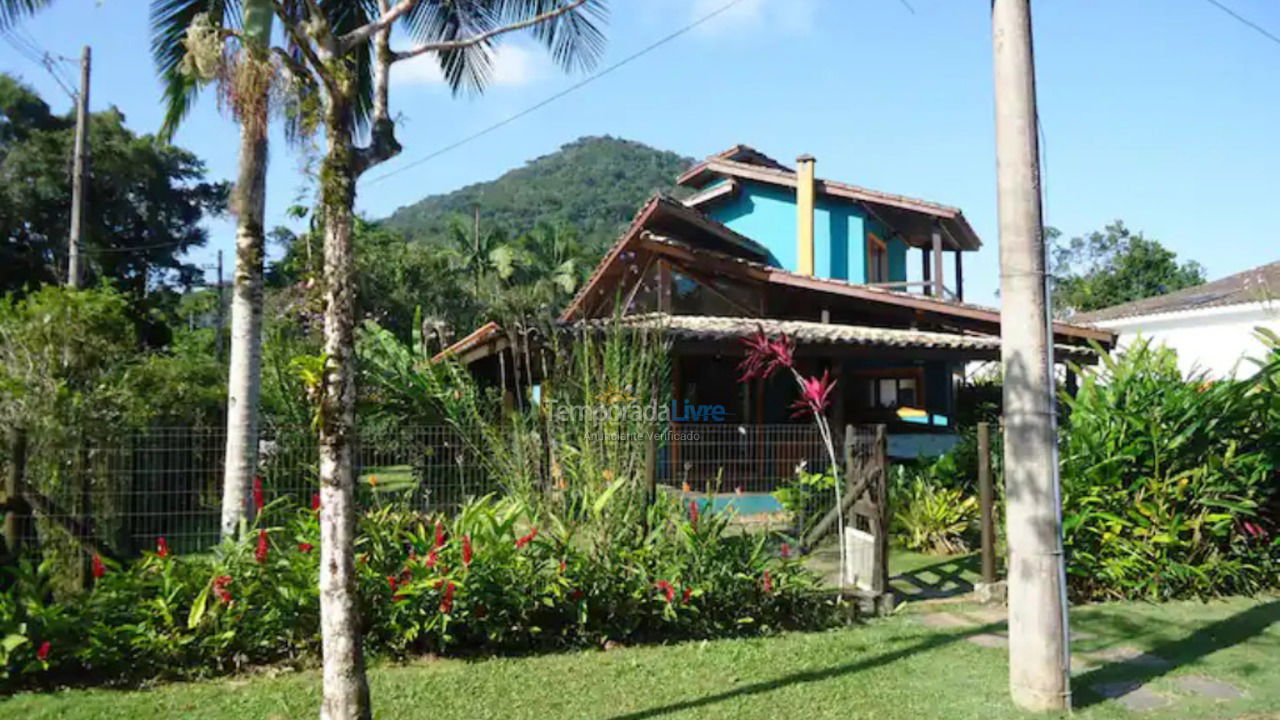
(1246,21)
(548,100)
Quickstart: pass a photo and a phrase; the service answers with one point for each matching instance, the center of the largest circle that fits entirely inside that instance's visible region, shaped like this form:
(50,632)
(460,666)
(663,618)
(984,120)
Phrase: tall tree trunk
(244,377)
(346,691)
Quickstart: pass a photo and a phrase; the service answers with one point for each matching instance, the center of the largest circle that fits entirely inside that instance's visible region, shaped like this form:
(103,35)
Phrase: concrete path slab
(1132,695)
(1208,687)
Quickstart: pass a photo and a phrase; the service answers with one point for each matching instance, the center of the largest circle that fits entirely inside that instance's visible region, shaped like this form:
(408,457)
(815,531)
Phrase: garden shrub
(493,578)
(1167,480)
(929,515)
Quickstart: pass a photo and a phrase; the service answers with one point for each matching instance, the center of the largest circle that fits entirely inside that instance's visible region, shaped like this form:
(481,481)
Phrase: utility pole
(79,182)
(217,338)
(1038,648)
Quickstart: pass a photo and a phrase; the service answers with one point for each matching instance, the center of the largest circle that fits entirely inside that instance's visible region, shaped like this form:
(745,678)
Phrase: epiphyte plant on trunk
(766,356)
(336,61)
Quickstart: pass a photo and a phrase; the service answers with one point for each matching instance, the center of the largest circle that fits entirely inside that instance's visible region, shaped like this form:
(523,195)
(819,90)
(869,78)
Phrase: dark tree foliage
(593,184)
(143,208)
(1114,266)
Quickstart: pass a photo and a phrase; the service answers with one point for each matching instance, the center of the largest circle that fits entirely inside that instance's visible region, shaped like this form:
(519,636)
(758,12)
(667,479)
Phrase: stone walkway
(1132,695)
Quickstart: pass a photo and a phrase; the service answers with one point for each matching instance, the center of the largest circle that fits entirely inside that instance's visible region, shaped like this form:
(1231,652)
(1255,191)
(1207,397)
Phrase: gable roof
(660,227)
(1254,285)
(911,218)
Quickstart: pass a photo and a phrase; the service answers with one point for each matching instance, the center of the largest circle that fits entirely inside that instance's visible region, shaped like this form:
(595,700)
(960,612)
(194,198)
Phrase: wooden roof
(911,218)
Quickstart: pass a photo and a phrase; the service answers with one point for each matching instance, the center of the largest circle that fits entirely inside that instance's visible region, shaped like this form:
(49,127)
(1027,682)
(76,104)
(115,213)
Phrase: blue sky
(1160,112)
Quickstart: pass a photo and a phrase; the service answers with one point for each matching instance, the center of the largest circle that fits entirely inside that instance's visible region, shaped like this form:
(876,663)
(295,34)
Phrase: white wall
(1212,339)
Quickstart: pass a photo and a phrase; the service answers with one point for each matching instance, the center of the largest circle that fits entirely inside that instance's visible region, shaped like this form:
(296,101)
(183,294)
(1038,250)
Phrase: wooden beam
(926,271)
(959,275)
(938,284)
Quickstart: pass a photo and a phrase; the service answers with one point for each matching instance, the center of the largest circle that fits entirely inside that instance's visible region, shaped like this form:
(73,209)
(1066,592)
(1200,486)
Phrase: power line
(28,48)
(547,101)
(1246,21)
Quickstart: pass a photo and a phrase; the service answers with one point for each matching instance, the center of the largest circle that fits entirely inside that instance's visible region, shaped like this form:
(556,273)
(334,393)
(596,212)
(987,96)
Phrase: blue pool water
(744,504)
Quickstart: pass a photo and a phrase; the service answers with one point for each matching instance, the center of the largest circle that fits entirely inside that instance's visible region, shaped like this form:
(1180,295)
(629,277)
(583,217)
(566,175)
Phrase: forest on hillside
(594,184)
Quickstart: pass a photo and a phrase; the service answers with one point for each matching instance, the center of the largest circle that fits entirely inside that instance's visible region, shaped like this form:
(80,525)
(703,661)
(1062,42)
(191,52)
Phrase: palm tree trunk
(244,377)
(346,691)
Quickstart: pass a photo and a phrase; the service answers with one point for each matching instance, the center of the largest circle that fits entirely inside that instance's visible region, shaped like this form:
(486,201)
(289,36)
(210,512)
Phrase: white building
(1211,326)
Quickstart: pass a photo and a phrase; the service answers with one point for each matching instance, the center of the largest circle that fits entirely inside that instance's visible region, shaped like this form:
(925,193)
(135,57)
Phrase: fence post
(880,460)
(13,493)
(986,501)
(650,473)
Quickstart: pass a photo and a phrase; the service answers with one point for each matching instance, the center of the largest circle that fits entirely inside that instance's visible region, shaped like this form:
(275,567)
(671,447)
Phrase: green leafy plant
(931,517)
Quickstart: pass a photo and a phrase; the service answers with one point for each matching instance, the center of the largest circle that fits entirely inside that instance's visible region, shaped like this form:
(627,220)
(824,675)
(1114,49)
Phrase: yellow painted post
(804,214)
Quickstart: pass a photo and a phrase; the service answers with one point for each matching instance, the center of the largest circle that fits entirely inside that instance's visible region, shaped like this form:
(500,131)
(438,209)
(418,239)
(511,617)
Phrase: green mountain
(595,184)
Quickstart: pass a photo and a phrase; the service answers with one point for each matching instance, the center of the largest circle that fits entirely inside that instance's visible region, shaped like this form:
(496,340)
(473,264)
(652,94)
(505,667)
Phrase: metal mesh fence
(133,488)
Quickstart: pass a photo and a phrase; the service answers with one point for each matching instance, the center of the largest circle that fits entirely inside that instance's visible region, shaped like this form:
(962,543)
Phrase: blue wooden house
(760,245)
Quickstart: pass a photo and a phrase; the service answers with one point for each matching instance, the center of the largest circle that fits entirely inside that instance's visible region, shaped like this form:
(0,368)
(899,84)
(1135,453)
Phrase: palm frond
(14,11)
(169,22)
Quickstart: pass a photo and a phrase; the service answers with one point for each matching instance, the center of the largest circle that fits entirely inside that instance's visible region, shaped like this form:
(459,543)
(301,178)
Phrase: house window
(890,389)
(877,259)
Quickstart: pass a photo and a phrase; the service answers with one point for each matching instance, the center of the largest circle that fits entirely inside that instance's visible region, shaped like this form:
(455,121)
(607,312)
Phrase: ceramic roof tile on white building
(1212,326)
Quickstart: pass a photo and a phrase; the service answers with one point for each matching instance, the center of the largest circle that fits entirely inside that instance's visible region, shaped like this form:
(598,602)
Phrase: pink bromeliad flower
(466,550)
(815,395)
(42,653)
(260,553)
(439,535)
(162,547)
(693,515)
(98,568)
(765,356)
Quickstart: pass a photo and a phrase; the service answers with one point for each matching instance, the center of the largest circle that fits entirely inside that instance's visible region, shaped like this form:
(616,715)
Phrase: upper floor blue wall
(767,214)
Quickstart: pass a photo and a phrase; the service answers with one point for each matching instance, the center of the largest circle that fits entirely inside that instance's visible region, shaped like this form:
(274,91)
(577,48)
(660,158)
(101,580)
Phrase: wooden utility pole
(1038,661)
(79,183)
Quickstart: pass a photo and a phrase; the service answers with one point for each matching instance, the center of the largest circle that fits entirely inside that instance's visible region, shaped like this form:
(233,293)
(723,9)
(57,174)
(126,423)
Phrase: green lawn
(896,668)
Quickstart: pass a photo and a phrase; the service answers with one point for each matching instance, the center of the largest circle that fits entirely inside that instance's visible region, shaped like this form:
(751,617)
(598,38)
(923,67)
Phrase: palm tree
(331,43)
(187,44)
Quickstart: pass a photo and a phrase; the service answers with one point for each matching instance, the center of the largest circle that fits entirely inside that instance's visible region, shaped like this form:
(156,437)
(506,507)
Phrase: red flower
(684,597)
(439,534)
(446,602)
(815,395)
(785,551)
(257,494)
(576,595)
(521,542)
(220,590)
(260,553)
(98,568)
(667,589)
(693,514)
(466,550)
(432,557)
(315,502)
(767,583)
(393,582)
(765,356)
(162,547)
(306,547)
(399,597)
(42,653)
